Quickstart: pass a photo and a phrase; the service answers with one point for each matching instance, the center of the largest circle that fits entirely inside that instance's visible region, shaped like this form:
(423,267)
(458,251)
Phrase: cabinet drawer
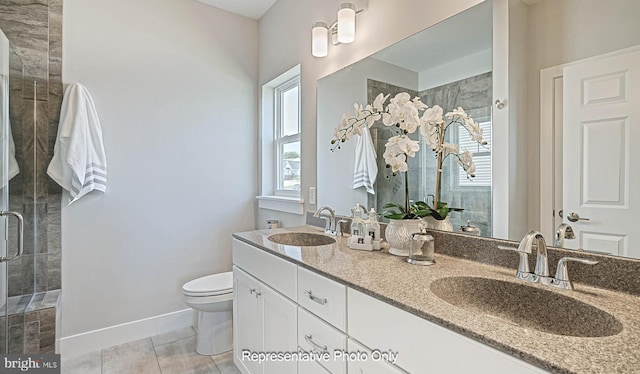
(420,343)
(323,297)
(275,272)
(316,335)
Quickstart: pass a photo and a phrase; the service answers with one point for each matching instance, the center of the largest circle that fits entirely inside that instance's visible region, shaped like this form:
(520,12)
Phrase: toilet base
(215,332)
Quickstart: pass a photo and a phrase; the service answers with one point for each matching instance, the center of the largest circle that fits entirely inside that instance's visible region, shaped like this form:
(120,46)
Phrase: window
(280,145)
(287,138)
(481,156)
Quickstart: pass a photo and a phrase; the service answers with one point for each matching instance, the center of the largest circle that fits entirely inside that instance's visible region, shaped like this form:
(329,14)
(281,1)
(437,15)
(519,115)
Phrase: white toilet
(212,297)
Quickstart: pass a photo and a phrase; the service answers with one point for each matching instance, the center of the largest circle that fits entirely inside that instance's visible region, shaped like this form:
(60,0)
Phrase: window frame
(280,140)
(462,182)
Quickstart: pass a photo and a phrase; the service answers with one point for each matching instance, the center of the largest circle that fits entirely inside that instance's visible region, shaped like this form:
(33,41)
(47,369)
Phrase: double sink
(516,303)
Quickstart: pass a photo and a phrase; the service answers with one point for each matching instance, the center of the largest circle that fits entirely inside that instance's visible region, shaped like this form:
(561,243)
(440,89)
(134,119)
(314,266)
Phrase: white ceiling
(248,8)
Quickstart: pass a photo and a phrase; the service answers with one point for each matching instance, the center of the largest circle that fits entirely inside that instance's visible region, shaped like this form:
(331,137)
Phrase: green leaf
(422,205)
(395,216)
(423,213)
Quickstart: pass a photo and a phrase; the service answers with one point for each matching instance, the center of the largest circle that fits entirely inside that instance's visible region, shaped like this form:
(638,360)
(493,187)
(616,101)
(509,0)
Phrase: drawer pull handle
(318,300)
(309,340)
(251,291)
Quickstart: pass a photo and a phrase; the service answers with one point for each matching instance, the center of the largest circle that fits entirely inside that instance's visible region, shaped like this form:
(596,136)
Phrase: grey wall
(174,83)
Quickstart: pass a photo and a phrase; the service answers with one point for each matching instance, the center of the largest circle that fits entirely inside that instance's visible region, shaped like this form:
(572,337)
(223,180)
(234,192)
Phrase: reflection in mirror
(543,35)
(449,65)
(581,69)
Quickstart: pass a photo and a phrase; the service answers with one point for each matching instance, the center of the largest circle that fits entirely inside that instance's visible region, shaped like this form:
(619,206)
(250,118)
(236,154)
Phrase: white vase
(398,235)
(438,224)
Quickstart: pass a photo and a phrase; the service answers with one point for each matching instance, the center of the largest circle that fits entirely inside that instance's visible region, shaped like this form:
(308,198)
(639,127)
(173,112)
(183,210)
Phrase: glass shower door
(11,246)
(4,190)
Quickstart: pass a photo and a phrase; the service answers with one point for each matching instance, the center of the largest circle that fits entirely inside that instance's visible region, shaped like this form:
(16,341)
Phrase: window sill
(294,205)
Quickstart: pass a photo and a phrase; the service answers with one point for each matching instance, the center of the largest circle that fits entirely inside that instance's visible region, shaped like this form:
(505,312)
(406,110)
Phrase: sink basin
(301,239)
(526,306)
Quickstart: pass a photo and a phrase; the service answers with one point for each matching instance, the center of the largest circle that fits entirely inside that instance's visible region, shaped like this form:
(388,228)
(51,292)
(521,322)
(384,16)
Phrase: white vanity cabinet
(282,307)
(264,320)
(423,346)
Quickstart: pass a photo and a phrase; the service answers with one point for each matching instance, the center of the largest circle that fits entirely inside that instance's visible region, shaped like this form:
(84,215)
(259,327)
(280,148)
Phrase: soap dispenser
(373,228)
(359,238)
(358,228)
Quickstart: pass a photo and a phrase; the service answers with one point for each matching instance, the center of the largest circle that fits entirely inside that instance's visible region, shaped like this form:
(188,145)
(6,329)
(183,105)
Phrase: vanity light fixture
(319,39)
(346,23)
(342,31)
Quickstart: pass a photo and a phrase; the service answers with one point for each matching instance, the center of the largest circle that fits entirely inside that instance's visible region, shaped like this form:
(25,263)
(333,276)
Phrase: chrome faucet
(330,222)
(542,260)
(563,232)
(541,272)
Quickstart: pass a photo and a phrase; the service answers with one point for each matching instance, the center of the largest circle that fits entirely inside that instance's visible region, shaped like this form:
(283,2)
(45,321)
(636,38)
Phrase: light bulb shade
(346,23)
(319,39)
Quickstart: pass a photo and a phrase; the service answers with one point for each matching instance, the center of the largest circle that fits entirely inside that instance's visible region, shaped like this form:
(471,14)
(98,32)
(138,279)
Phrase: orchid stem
(406,187)
(439,167)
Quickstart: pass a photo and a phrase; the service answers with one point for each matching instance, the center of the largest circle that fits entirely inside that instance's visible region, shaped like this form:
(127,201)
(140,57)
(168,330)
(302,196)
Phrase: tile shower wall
(34,29)
(388,187)
(474,95)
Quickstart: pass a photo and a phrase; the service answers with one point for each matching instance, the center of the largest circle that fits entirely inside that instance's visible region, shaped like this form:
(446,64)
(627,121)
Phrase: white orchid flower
(430,135)
(408,146)
(379,102)
(396,162)
(448,148)
(402,144)
(419,104)
(401,99)
(358,110)
(466,161)
(432,116)
(386,119)
(465,158)
(408,118)
(458,112)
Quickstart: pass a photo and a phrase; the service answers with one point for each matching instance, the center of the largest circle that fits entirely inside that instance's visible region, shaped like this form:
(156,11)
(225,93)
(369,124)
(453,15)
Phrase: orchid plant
(411,115)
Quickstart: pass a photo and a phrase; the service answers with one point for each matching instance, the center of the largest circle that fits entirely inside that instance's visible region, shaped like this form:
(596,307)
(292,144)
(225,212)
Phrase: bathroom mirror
(448,64)
(552,34)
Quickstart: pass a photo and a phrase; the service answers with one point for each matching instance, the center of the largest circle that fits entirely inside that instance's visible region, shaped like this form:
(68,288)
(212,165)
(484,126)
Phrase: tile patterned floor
(170,353)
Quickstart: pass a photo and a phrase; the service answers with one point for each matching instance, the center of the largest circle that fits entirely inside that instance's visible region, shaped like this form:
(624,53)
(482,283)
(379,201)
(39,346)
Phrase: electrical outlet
(312,195)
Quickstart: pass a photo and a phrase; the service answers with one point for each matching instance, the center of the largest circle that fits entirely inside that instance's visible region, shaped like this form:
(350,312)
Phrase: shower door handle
(20,234)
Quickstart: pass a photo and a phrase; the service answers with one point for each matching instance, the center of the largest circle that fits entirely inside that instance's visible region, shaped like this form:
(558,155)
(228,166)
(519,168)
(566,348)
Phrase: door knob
(574,217)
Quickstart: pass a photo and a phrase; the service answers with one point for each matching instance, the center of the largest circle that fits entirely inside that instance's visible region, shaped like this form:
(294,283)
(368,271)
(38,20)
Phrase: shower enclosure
(18,236)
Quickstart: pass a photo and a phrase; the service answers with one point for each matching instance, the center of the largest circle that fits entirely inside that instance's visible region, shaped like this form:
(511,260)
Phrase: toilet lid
(215,284)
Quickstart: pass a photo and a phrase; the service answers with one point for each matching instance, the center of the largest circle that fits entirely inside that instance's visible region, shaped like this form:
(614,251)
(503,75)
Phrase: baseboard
(91,341)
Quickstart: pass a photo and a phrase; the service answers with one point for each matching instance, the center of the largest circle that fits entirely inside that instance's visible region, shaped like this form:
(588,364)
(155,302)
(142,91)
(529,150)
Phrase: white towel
(79,163)
(366,169)
(6,138)
(13,169)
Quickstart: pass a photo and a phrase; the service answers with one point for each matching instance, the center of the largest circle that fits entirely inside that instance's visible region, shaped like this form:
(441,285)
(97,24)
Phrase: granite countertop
(408,287)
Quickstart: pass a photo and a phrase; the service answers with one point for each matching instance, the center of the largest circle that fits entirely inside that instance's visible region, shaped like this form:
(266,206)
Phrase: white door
(601,153)
(279,321)
(246,320)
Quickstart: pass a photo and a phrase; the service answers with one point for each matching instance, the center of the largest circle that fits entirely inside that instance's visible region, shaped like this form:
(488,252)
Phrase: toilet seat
(210,285)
